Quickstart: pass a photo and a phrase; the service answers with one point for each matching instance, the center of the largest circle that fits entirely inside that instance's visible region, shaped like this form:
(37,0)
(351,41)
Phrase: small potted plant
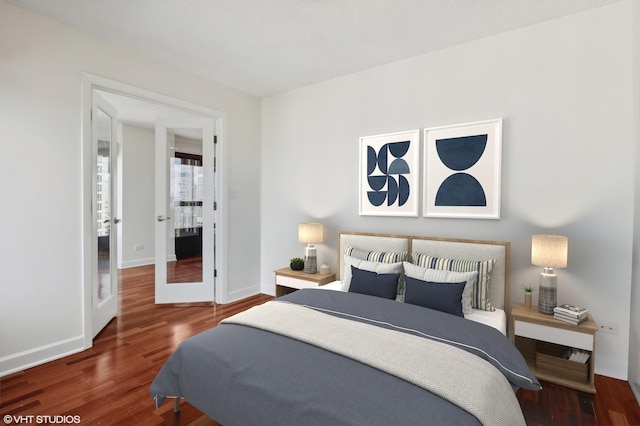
(297,264)
(528,293)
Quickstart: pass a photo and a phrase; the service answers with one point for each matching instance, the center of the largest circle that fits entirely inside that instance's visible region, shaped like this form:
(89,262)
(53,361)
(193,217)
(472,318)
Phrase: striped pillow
(374,256)
(480,294)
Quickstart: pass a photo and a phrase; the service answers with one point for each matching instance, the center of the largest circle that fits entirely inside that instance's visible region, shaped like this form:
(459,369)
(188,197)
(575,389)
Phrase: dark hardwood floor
(109,383)
(613,404)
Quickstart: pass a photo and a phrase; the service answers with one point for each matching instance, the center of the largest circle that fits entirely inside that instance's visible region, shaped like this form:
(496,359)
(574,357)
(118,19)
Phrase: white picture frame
(389,174)
(462,170)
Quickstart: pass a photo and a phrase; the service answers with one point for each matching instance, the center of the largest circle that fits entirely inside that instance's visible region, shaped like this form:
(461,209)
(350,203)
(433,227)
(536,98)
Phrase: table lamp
(310,233)
(548,251)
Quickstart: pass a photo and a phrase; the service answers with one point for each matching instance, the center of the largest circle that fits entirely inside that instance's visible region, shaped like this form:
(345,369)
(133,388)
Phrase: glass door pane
(103,207)
(186,190)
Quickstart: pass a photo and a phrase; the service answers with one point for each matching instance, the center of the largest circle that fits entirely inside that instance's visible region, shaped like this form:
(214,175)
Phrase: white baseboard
(241,294)
(33,357)
(143,262)
(137,262)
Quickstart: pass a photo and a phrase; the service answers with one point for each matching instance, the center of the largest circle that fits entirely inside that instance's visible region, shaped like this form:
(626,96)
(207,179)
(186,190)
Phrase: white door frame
(91,82)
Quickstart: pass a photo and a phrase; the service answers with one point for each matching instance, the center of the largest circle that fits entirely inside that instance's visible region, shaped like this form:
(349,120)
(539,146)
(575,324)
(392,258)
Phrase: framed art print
(462,167)
(389,174)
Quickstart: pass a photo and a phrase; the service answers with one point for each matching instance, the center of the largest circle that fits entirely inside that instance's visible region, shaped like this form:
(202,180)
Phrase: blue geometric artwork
(386,170)
(461,170)
(460,154)
(389,174)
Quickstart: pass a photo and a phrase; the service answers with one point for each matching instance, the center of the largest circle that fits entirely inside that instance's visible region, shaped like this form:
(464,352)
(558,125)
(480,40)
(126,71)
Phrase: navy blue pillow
(444,297)
(380,285)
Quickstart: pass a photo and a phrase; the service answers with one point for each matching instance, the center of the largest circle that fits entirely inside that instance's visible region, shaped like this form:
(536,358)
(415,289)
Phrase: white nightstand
(288,280)
(543,340)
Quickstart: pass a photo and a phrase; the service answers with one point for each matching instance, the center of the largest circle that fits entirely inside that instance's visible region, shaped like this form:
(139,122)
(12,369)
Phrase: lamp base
(548,293)
(310,260)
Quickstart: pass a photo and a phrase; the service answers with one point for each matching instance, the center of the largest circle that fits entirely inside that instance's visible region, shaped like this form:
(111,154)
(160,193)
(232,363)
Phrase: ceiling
(265,47)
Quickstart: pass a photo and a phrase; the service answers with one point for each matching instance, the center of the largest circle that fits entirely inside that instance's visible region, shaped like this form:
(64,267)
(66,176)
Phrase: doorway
(132,104)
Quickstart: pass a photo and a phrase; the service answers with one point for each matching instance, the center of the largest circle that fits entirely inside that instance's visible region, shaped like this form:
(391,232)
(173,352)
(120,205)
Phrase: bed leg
(176,405)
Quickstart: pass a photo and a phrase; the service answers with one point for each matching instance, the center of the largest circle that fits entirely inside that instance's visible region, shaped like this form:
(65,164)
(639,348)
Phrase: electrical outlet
(608,327)
(138,247)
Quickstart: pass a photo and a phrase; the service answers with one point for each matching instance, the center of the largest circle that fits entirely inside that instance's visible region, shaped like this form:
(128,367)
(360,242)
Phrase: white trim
(90,82)
(241,294)
(138,262)
(36,356)
(221,289)
(144,262)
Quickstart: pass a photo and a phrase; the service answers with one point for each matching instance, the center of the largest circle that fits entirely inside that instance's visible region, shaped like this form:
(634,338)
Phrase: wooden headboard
(453,248)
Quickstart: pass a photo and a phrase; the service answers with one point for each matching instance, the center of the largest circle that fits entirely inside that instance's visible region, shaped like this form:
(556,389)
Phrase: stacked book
(577,355)
(571,314)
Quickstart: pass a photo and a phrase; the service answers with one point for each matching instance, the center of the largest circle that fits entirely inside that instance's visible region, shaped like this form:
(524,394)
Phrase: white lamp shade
(310,233)
(549,251)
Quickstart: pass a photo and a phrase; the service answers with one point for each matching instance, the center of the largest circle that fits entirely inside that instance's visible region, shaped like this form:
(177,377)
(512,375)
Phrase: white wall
(138,186)
(563,89)
(41,63)
(634,335)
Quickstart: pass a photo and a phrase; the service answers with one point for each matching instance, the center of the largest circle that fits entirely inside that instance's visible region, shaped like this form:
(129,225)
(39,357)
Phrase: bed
(377,346)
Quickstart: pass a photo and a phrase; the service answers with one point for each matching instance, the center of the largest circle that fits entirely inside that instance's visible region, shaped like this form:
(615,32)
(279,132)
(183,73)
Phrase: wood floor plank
(108,384)
(613,404)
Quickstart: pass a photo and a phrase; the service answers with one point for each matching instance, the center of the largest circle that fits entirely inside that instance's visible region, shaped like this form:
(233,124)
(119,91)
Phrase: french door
(104,152)
(184,204)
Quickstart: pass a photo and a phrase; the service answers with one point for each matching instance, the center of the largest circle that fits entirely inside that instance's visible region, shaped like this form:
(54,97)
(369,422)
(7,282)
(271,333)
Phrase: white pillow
(444,276)
(480,293)
(377,267)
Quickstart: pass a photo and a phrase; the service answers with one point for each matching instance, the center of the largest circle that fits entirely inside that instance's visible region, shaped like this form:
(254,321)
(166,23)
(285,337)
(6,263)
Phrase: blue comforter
(239,375)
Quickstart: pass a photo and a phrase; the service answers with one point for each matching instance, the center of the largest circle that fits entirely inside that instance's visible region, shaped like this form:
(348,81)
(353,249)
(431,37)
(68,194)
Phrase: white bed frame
(452,248)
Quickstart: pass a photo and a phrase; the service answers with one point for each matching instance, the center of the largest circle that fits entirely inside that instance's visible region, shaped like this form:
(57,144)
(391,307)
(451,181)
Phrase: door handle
(116,220)
(161,218)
